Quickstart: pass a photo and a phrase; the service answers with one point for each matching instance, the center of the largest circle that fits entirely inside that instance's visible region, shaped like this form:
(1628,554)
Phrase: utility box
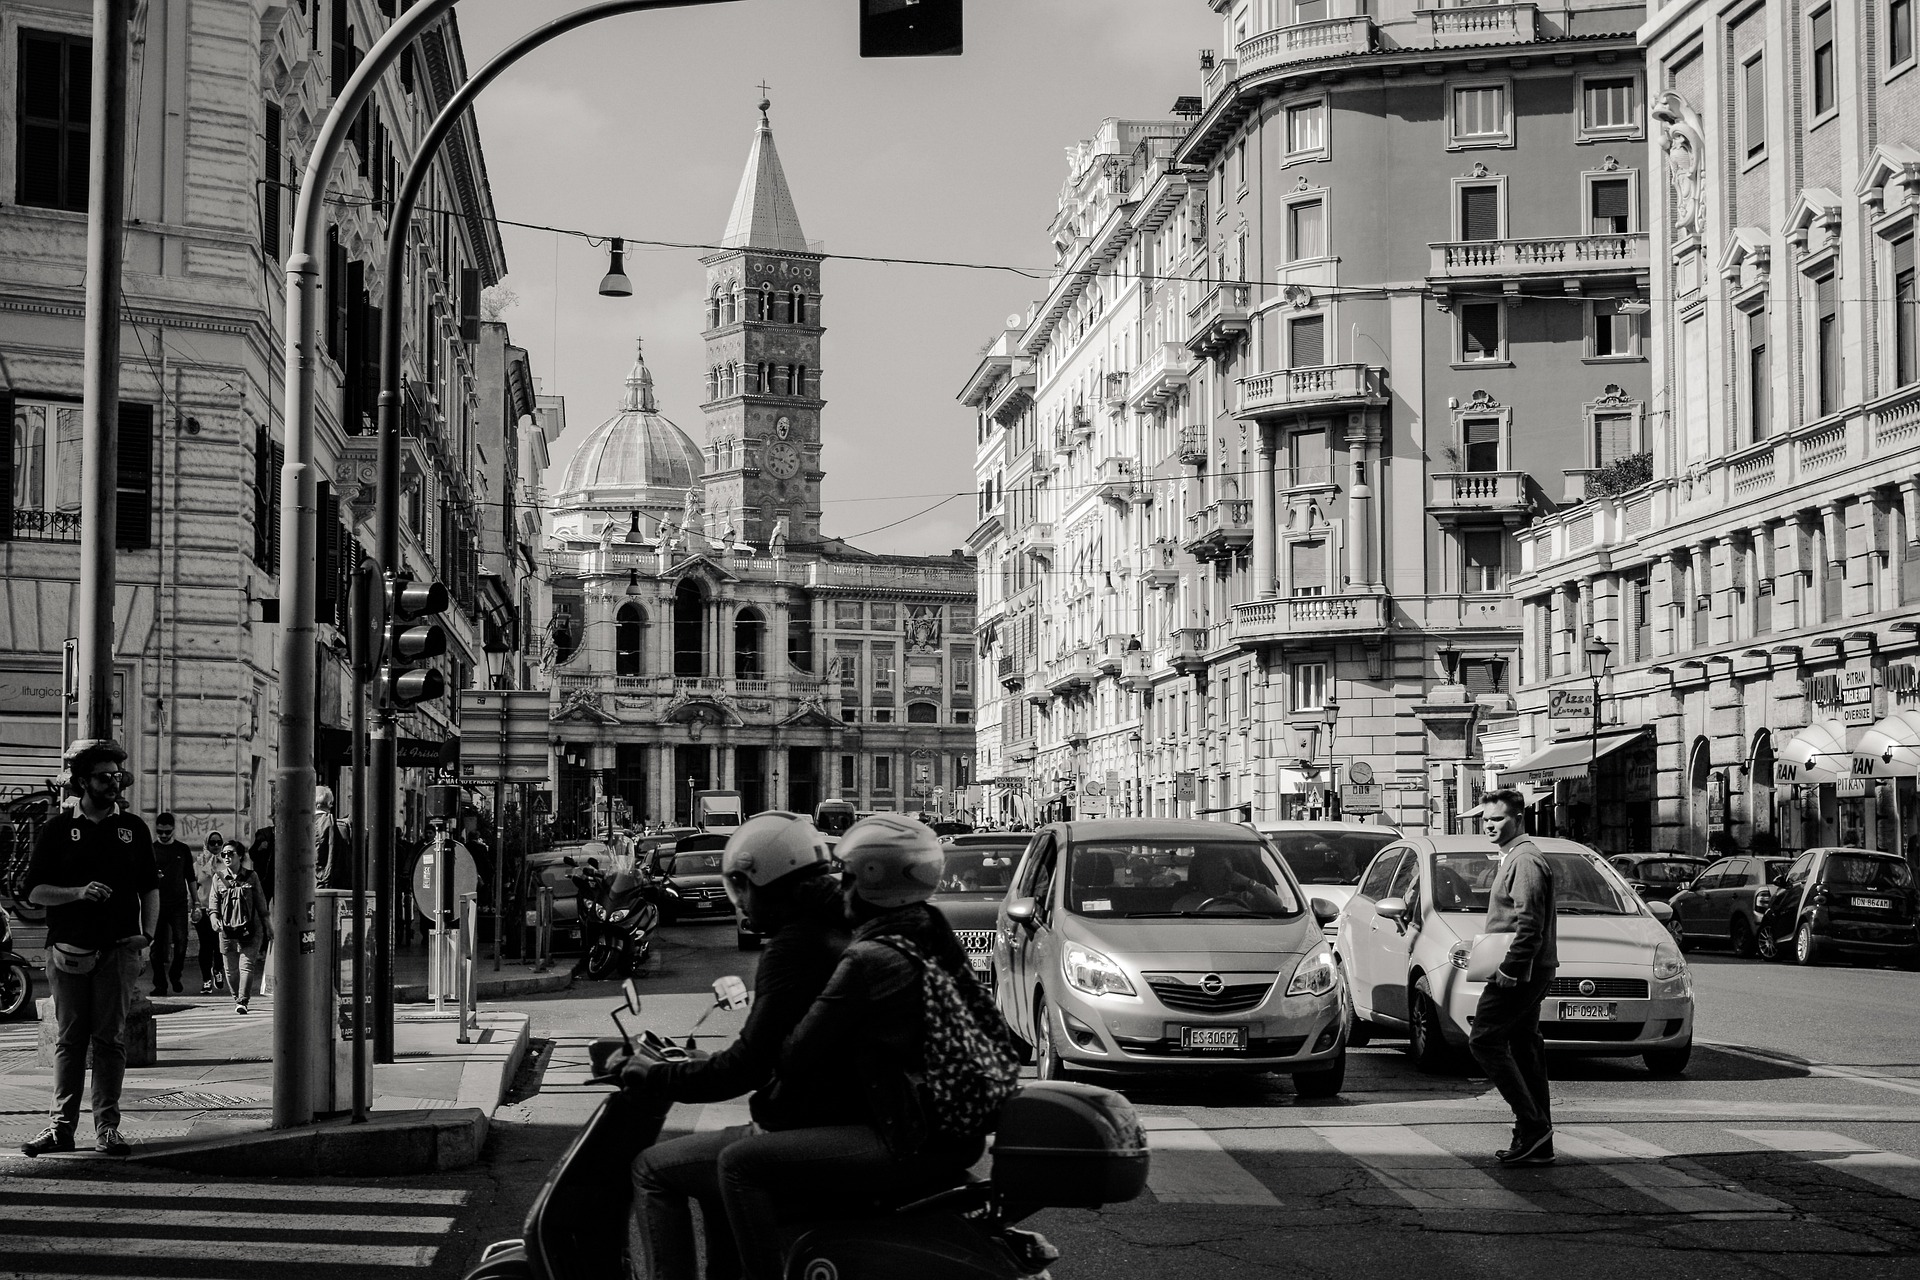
(333,1066)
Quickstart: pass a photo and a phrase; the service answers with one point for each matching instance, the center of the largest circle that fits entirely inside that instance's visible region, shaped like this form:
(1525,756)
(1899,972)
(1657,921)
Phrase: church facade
(705,631)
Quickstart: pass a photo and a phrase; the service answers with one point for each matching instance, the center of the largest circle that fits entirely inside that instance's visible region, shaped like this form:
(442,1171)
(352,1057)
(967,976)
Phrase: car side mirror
(1638,888)
(1394,909)
(1661,911)
(1021,911)
(1325,912)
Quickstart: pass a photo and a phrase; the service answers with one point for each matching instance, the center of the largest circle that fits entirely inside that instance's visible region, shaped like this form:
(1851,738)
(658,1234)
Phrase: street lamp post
(1598,653)
(1138,807)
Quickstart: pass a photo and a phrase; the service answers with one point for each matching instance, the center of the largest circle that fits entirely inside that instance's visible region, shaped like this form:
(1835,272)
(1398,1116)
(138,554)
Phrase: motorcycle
(16,975)
(618,916)
(1057,1145)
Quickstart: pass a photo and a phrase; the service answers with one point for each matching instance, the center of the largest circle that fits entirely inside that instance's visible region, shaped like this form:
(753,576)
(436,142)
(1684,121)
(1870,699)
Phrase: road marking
(1188,1167)
(247,1251)
(391,1224)
(1684,1186)
(306,1194)
(1425,1175)
(1816,1068)
(1897,1173)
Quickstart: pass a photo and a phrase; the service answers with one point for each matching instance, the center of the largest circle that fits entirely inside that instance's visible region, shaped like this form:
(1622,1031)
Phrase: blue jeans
(666,1177)
(1507,1043)
(90,1011)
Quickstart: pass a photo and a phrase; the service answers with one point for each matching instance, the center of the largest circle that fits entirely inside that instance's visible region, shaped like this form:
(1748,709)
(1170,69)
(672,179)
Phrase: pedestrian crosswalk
(141,1226)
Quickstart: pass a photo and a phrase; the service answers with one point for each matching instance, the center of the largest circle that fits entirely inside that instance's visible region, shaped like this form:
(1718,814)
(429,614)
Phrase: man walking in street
(1506,1038)
(174,862)
(94,873)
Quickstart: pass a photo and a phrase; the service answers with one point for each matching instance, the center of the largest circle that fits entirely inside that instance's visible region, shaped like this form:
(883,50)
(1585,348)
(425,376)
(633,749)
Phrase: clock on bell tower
(763,336)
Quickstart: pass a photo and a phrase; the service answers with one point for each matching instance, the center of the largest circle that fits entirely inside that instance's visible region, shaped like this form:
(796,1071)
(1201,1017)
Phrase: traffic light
(366,621)
(409,638)
(910,28)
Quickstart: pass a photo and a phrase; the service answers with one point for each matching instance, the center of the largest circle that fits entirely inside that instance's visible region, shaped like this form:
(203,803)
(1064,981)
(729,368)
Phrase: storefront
(1561,780)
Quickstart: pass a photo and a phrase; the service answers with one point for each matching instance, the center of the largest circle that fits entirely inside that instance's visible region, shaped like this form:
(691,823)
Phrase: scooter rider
(775,868)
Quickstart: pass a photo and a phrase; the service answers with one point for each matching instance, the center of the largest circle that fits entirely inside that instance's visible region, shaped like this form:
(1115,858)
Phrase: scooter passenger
(867,1027)
(775,870)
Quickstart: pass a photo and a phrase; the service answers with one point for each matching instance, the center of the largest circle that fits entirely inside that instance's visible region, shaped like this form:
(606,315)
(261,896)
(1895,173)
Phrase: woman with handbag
(238,906)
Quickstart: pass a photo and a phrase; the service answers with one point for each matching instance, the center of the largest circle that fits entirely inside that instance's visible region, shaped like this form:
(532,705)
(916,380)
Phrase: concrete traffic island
(391,1144)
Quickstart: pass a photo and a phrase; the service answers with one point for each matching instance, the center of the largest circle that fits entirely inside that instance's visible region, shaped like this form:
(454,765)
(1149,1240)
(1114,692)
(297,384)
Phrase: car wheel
(1359,1032)
(1326,1083)
(1740,935)
(1668,1062)
(1678,933)
(1764,943)
(1806,947)
(1425,1040)
(1047,1062)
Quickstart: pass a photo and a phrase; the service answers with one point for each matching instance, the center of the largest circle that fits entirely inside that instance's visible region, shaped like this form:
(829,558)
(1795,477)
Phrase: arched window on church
(752,375)
(733,378)
(923,713)
(799,305)
(713,383)
(766,302)
(629,625)
(800,380)
(713,310)
(726,307)
(749,645)
(689,629)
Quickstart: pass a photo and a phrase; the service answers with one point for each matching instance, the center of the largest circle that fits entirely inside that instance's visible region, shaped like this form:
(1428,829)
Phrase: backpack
(972,1061)
(235,917)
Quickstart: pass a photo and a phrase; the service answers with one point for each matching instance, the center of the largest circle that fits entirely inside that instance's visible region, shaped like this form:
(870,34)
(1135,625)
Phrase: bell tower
(763,332)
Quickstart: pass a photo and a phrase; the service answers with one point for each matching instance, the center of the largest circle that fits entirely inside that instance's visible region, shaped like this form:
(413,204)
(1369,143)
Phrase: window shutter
(40,119)
(133,492)
(326,552)
(270,186)
(1480,324)
(277,460)
(370,368)
(1482,431)
(353,360)
(1480,213)
(469,304)
(1756,121)
(1477,677)
(1308,340)
(1826,295)
(6,465)
(1902,255)
(1612,437)
(341,63)
(335,298)
(1309,564)
(1610,201)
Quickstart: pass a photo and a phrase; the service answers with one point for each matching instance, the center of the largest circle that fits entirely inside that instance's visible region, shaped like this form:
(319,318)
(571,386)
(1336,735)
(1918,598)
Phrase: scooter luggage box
(1069,1146)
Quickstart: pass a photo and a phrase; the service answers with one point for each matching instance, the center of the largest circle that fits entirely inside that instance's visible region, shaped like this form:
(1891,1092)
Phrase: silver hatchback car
(1143,945)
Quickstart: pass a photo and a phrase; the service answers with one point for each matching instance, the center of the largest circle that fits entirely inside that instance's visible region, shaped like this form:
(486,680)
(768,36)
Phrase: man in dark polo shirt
(94,873)
(175,863)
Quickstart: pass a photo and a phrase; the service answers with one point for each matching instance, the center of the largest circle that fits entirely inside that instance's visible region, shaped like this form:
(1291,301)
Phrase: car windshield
(693,864)
(1329,857)
(834,822)
(1664,872)
(1851,871)
(1167,878)
(1461,882)
(979,869)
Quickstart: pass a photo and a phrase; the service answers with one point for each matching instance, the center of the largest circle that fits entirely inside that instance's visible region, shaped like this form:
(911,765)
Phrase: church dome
(637,455)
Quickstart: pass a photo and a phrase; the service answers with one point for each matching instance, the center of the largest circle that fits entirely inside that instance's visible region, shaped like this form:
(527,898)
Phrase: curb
(390,1144)
(504,987)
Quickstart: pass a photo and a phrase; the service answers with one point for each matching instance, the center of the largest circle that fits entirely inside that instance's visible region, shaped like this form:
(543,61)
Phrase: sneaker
(109,1142)
(177,988)
(206,988)
(1538,1151)
(240,1008)
(52,1138)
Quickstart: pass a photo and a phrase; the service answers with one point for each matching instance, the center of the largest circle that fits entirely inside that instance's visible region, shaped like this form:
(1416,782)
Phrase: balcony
(1011,397)
(1220,529)
(1116,393)
(1477,24)
(1193,446)
(1161,376)
(1037,539)
(1320,386)
(1113,654)
(1308,617)
(1305,41)
(1136,669)
(1039,695)
(1116,481)
(1158,568)
(1220,319)
(1551,257)
(1219,76)
(1492,492)
(1011,672)
(1189,651)
(1074,671)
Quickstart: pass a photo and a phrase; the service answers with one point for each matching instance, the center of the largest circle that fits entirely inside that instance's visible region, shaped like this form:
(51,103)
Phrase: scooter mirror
(632,994)
(731,993)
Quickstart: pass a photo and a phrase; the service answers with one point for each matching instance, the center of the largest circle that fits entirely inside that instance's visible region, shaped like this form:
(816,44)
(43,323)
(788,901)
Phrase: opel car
(1622,987)
(1155,945)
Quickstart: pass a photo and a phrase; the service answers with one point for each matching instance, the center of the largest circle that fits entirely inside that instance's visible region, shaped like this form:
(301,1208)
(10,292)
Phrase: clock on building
(783,460)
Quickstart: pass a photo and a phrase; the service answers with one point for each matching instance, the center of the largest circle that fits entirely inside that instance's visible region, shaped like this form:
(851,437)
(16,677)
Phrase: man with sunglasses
(94,872)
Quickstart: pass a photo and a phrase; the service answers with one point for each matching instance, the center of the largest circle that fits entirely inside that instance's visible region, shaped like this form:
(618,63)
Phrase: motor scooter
(1056,1145)
(618,917)
(16,975)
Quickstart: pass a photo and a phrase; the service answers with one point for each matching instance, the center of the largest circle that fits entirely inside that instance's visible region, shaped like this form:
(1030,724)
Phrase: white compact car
(1622,988)
(1327,858)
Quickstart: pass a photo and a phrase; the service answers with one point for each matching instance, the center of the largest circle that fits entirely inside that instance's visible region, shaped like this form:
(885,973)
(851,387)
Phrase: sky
(639,126)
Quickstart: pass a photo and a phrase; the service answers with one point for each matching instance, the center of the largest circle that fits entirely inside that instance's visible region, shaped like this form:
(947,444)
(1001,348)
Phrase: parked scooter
(1057,1145)
(16,975)
(618,916)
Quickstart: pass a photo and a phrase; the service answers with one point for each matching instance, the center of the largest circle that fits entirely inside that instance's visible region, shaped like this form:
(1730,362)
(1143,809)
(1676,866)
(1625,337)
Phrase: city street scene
(959,639)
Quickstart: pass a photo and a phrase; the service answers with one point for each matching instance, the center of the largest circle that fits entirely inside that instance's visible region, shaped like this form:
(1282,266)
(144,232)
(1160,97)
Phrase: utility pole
(100,412)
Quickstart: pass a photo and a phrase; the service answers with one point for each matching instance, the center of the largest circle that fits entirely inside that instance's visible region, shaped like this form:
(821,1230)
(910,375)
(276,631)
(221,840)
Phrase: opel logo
(1213,984)
(1587,987)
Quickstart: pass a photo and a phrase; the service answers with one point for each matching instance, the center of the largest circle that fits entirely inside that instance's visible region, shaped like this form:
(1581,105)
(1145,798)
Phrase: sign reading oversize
(521,714)
(1569,704)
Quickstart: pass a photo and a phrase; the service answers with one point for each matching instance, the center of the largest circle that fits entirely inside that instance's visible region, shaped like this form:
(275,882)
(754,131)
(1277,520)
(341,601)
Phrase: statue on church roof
(777,544)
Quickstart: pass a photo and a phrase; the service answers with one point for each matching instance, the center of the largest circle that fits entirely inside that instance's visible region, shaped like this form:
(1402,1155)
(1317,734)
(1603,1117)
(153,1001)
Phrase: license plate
(981,964)
(1876,904)
(1214,1039)
(1571,1012)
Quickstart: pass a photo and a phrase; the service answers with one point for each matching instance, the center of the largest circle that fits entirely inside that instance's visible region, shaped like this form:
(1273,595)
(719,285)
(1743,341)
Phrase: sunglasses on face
(117,777)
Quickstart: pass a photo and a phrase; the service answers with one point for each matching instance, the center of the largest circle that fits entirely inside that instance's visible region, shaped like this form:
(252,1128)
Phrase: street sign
(418,753)
(426,885)
(1092,805)
(1184,787)
(1361,797)
(1570,704)
(1113,780)
(525,713)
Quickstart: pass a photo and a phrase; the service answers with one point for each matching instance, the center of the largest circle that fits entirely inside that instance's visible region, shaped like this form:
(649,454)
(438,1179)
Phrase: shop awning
(1568,758)
(1890,748)
(1815,754)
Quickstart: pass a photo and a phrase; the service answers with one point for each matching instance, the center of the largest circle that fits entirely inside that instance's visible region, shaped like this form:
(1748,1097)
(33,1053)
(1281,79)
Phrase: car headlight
(620,915)
(1089,971)
(1316,974)
(1668,963)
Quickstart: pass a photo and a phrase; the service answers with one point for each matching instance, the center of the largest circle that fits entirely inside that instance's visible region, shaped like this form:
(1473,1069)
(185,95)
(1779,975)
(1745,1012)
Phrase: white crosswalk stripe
(1889,1169)
(1682,1185)
(1420,1171)
(1189,1167)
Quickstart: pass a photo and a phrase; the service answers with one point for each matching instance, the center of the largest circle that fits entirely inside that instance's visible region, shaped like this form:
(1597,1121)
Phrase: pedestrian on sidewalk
(260,859)
(206,867)
(240,913)
(174,861)
(1506,1037)
(94,873)
(332,844)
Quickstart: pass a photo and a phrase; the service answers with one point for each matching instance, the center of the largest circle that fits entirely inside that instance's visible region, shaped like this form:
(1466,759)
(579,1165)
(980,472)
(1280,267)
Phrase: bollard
(470,970)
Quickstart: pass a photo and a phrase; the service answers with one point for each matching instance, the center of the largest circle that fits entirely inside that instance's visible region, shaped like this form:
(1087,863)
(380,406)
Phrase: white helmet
(894,860)
(768,846)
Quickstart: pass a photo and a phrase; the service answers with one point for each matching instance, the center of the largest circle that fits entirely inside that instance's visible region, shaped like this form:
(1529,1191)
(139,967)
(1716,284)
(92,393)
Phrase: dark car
(1842,901)
(1658,876)
(1722,906)
(979,868)
(691,869)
